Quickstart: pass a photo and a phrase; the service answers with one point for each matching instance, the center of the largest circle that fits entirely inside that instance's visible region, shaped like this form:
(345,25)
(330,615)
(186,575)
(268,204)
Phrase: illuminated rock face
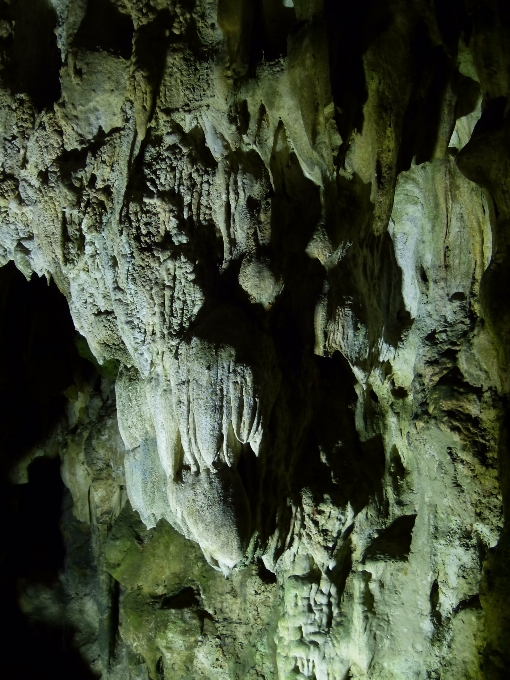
(286,225)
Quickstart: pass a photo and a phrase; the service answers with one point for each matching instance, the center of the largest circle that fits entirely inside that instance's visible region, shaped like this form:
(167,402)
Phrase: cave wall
(282,232)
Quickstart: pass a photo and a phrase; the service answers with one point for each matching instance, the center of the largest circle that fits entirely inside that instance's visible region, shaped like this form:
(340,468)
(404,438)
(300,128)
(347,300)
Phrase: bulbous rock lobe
(213,401)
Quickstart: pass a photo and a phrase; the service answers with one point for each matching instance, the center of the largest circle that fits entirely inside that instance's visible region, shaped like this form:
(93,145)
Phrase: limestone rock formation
(282,231)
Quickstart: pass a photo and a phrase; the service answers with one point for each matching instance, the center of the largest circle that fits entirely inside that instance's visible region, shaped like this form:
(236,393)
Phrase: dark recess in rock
(39,362)
(31,51)
(105,28)
(184,599)
(394,542)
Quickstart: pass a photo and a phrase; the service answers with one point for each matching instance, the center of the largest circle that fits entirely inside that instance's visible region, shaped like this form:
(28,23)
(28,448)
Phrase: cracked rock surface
(281,405)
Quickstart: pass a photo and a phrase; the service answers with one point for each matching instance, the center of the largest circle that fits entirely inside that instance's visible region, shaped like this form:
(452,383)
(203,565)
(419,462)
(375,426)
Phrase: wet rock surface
(279,408)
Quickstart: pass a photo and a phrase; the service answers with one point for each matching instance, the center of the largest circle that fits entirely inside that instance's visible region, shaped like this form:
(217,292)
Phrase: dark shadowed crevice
(248,469)
(106,29)
(352,470)
(38,362)
(184,599)
(264,574)
(272,23)
(32,53)
(452,19)
(32,556)
(394,542)
(150,46)
(351,28)
(342,567)
(432,71)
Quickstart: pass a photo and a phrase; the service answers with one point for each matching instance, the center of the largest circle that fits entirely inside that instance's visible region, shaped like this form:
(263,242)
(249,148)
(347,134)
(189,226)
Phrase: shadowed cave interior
(39,362)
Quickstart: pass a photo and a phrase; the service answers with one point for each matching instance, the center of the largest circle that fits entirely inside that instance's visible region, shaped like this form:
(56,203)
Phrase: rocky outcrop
(281,229)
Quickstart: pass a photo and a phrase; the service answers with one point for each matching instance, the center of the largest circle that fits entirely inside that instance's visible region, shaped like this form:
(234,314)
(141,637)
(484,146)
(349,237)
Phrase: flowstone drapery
(282,230)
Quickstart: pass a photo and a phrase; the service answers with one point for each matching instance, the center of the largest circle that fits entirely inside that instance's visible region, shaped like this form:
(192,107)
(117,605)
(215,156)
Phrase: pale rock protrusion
(215,508)
(259,282)
(185,432)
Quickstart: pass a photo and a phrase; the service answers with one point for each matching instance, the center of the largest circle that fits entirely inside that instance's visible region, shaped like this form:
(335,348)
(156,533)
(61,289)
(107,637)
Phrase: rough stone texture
(282,229)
